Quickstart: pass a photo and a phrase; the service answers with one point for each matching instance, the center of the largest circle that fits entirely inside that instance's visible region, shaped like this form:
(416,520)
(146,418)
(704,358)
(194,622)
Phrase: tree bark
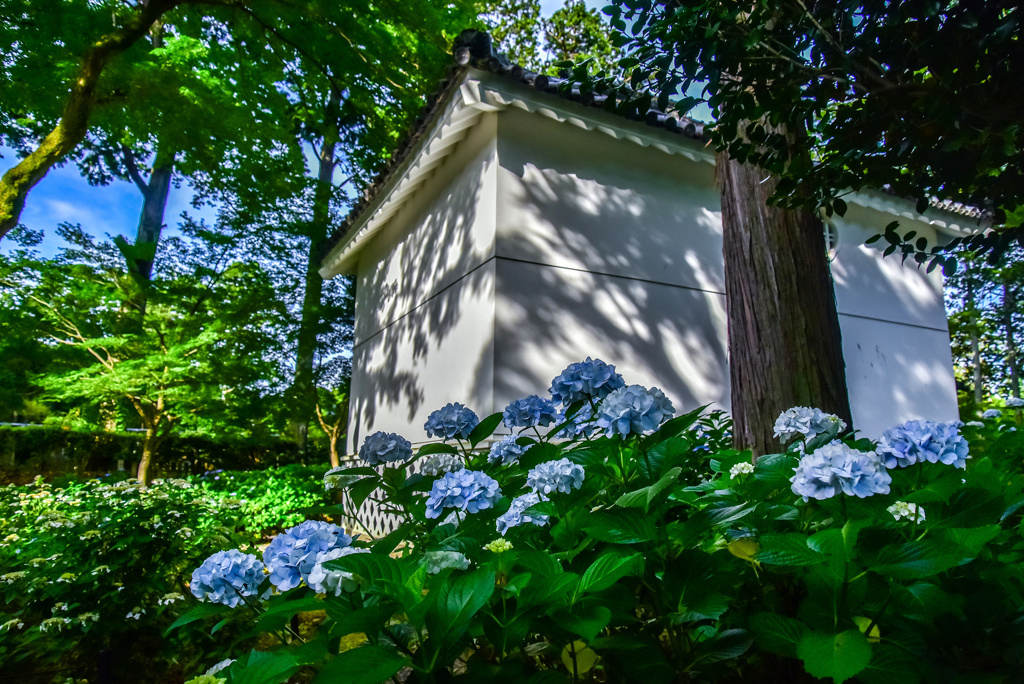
(785,347)
(303,385)
(154,204)
(74,121)
(975,343)
(1009,304)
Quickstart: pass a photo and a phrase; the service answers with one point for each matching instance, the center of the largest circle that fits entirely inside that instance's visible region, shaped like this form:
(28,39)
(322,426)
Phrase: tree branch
(133,170)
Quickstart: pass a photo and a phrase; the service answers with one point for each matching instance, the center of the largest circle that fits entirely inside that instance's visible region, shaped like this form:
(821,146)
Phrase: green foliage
(105,565)
(834,97)
(641,574)
(270,499)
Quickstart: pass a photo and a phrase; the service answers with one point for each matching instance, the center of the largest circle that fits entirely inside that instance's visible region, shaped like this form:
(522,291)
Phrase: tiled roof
(474,49)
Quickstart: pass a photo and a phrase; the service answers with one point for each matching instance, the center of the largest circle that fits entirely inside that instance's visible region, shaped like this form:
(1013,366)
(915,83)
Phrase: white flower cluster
(168,599)
(902,509)
(436,561)
(744,468)
(443,463)
(135,613)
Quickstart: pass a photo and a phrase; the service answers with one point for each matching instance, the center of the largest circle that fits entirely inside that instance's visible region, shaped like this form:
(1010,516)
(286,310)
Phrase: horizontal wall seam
(611,275)
(885,320)
(425,301)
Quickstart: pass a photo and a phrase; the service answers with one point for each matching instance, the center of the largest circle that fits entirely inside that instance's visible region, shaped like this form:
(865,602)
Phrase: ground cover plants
(606,539)
(101,567)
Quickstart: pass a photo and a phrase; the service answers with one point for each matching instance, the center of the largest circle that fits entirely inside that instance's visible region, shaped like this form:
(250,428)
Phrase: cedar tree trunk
(785,348)
(1009,304)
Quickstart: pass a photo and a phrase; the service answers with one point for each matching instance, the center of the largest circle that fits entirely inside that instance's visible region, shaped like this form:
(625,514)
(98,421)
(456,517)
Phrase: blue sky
(64,196)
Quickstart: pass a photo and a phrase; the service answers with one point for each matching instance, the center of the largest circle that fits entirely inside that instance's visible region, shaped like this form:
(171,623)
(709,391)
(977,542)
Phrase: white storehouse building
(521,229)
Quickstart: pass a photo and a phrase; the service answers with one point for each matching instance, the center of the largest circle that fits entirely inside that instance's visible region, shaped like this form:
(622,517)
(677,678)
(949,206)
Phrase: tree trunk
(303,386)
(74,121)
(1009,304)
(785,348)
(975,343)
(149,445)
(154,204)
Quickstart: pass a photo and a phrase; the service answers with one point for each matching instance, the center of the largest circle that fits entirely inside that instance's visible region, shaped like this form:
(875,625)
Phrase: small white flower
(902,509)
(974,423)
(744,468)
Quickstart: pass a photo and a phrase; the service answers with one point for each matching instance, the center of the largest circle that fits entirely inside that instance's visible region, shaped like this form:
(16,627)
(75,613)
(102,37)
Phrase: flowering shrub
(106,566)
(268,500)
(646,549)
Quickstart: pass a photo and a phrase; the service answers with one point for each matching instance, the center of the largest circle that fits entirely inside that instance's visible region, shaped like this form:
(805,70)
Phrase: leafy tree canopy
(919,97)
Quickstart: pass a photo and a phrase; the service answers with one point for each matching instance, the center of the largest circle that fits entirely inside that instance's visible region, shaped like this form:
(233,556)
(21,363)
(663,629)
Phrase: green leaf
(839,206)
(620,527)
(553,590)
(436,448)
(369,664)
(586,620)
(890,664)
(839,656)
(541,564)
(645,495)
(361,490)
(371,567)
(369,620)
(673,428)
(974,507)
(279,613)
(917,559)
(458,601)
(608,569)
(263,667)
(485,428)
(787,549)
(777,634)
(732,643)
(203,610)
(775,469)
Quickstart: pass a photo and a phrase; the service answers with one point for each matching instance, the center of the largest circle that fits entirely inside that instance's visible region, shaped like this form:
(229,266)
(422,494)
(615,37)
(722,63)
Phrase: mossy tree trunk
(78,107)
(785,347)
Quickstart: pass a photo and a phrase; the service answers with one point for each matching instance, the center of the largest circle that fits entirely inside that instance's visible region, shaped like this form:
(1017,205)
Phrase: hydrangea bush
(105,565)
(624,543)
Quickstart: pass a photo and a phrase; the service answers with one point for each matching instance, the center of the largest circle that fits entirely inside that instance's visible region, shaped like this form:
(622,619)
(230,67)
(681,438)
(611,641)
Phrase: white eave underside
(481,92)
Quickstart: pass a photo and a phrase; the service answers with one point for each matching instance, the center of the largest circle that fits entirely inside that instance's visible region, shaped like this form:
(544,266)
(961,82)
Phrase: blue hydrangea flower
(633,409)
(836,467)
(227,576)
(436,561)
(507,451)
(385,447)
(452,420)
(324,581)
(530,411)
(1014,402)
(808,422)
(590,379)
(923,440)
(468,490)
(292,555)
(582,423)
(992,413)
(516,514)
(555,476)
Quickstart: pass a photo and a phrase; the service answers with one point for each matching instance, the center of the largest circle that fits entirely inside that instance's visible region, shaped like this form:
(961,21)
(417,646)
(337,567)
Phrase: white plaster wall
(442,351)
(444,232)
(537,244)
(425,298)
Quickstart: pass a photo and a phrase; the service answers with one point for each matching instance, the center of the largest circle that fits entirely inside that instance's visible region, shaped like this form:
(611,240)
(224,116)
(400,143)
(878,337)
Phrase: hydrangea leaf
(607,570)
(203,610)
(261,667)
(459,600)
(924,602)
(777,634)
(552,590)
(621,527)
(787,549)
(642,498)
(839,656)
(369,664)
(972,507)
(775,469)
(485,428)
(918,559)
(586,620)
(672,427)
(732,643)
(370,567)
(438,448)
(367,620)
(890,664)
(971,538)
